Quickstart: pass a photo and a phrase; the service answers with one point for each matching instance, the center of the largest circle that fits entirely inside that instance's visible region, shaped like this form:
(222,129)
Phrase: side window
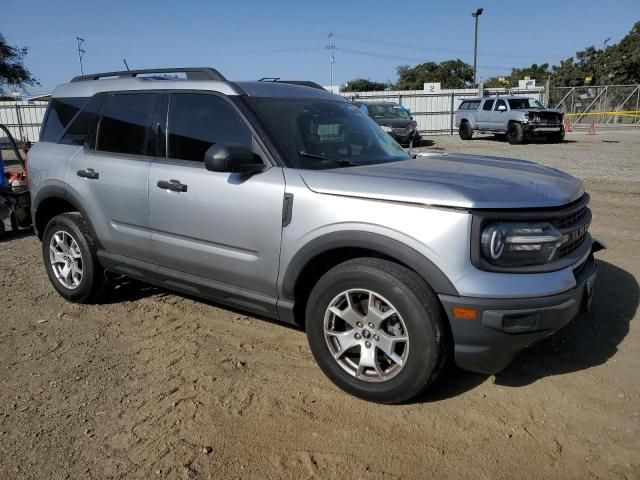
(488,105)
(84,125)
(474,105)
(501,102)
(61,112)
(125,123)
(197,121)
(464,106)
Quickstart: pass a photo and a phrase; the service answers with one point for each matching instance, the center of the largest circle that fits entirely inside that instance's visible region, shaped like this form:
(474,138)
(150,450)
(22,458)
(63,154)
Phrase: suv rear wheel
(465,131)
(376,330)
(515,133)
(70,259)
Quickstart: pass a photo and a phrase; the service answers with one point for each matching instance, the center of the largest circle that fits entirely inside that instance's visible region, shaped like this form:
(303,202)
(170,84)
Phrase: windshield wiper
(342,163)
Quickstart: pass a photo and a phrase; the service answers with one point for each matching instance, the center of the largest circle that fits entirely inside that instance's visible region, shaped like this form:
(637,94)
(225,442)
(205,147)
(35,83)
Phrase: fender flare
(59,190)
(370,241)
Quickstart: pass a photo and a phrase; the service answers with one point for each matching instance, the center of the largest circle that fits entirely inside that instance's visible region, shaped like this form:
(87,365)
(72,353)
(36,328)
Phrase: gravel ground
(155,385)
(610,156)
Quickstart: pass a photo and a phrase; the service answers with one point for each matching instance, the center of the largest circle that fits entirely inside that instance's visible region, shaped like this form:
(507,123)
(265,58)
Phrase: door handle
(173,185)
(89,173)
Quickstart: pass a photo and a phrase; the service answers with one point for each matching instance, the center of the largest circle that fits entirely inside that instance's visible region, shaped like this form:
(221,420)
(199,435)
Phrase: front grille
(574,228)
(546,118)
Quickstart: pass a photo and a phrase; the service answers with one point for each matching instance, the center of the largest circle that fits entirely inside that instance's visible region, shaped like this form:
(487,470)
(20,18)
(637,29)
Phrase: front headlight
(386,128)
(519,244)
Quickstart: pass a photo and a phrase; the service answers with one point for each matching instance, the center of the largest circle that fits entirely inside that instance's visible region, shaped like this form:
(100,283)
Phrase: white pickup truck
(515,117)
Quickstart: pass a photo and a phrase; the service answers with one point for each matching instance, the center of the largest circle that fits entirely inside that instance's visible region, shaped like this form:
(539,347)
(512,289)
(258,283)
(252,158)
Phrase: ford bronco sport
(289,202)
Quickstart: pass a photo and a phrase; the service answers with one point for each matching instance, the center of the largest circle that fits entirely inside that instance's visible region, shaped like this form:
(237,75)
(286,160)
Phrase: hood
(452,180)
(394,122)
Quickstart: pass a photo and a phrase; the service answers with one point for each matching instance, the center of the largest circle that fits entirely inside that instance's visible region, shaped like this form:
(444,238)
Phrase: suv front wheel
(515,133)
(376,330)
(70,259)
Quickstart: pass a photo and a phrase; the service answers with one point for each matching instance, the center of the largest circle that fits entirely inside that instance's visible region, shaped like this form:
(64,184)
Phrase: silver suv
(517,118)
(287,201)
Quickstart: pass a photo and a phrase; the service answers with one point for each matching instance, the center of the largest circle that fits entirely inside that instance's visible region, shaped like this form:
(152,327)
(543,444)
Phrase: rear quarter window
(61,112)
(82,129)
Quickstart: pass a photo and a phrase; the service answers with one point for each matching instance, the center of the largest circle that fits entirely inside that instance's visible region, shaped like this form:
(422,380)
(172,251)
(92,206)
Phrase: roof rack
(304,83)
(204,73)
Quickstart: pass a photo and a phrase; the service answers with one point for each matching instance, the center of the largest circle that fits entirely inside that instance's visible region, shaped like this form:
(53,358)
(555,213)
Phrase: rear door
(222,227)
(109,175)
(484,114)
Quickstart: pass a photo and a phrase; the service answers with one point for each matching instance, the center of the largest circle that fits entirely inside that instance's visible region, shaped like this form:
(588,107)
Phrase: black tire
(414,301)
(465,131)
(556,137)
(515,133)
(92,285)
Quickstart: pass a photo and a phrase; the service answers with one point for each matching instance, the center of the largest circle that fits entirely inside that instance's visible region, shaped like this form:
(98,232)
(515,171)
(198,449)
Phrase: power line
(440,50)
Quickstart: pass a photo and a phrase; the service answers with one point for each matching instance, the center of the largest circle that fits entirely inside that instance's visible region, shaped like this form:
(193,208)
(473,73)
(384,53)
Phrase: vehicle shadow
(528,141)
(591,339)
(10,235)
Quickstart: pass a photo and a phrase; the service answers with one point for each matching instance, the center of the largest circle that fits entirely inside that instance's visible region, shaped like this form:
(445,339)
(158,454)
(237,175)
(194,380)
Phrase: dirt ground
(155,385)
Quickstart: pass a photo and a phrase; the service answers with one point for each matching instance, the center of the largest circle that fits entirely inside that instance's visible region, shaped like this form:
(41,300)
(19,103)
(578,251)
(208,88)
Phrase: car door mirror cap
(232,158)
(502,108)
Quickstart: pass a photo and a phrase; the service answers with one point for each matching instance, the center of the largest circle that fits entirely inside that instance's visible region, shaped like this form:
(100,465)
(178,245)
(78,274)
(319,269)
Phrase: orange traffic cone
(567,125)
(592,128)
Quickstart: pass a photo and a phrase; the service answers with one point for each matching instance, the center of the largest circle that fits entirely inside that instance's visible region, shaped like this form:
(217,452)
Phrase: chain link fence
(603,105)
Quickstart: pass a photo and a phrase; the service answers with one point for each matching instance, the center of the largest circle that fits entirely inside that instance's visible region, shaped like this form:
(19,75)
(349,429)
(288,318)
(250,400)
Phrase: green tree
(13,74)
(450,74)
(363,85)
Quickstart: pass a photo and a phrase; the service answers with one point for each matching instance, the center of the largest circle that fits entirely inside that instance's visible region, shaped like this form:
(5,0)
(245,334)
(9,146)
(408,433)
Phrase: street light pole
(475,47)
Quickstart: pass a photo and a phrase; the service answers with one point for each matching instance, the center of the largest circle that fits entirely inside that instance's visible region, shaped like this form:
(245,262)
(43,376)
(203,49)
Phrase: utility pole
(331,47)
(475,47)
(81,52)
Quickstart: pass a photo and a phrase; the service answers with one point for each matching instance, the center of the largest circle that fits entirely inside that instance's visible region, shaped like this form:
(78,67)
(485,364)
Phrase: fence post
(19,118)
(451,114)
(637,106)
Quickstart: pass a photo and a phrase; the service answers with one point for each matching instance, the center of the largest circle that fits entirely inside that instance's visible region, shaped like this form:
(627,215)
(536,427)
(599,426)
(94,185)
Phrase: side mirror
(233,159)
(502,108)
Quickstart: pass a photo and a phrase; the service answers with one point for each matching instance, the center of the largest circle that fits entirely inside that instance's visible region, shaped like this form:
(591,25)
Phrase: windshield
(524,103)
(316,134)
(380,110)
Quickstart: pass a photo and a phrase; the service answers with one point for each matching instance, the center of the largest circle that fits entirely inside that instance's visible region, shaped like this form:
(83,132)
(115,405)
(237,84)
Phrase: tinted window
(197,121)
(501,102)
(488,105)
(61,112)
(464,106)
(85,123)
(474,104)
(124,126)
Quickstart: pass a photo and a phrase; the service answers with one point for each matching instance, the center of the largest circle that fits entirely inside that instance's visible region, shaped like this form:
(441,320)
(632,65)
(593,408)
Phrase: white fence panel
(434,112)
(23,118)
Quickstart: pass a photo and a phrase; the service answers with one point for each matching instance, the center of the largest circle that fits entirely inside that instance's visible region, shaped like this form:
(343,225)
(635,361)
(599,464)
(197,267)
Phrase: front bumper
(542,129)
(504,327)
(406,139)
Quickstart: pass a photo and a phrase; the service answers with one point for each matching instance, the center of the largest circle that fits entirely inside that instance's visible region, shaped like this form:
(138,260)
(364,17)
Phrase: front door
(498,116)
(224,227)
(484,115)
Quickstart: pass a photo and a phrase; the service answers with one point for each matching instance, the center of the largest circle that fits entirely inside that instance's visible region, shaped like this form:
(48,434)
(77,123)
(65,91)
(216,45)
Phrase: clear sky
(249,39)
